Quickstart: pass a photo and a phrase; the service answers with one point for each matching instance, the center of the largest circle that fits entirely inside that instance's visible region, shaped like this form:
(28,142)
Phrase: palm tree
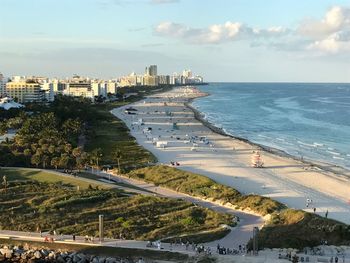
(117,155)
(64,161)
(45,160)
(36,159)
(4,182)
(55,162)
(96,155)
(77,152)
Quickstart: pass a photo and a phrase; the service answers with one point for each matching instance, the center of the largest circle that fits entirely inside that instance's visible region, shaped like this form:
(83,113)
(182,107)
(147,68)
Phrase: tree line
(50,136)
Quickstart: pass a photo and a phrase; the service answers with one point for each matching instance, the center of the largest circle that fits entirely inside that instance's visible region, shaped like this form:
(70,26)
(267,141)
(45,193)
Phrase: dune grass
(203,187)
(286,227)
(299,229)
(33,205)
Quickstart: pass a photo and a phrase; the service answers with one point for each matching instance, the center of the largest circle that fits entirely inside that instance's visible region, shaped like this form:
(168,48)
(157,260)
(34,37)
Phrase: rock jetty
(30,255)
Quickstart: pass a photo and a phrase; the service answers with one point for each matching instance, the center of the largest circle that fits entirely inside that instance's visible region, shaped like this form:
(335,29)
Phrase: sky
(222,40)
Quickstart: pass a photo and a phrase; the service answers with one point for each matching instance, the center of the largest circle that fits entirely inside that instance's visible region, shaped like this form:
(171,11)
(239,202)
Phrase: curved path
(238,236)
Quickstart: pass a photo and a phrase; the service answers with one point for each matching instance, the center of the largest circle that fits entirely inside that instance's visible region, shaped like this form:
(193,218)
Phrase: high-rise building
(111,87)
(25,90)
(187,73)
(150,80)
(79,87)
(3,82)
(151,70)
(47,87)
(164,80)
(58,86)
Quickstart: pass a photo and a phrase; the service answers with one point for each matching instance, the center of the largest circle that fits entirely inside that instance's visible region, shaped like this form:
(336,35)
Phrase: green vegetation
(113,138)
(299,229)
(199,238)
(110,135)
(54,135)
(33,205)
(287,227)
(203,187)
(96,178)
(22,174)
(48,136)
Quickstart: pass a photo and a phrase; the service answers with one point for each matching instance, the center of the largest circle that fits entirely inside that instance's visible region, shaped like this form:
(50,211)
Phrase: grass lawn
(22,174)
(95,177)
(110,134)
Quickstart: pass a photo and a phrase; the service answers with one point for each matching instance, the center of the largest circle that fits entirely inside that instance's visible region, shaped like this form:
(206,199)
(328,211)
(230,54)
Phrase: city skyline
(246,41)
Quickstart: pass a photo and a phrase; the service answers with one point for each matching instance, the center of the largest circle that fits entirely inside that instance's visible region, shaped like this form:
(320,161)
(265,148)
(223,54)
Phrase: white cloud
(216,33)
(330,34)
(336,19)
(333,44)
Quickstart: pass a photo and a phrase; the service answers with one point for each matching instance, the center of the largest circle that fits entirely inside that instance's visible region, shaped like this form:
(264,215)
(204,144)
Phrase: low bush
(34,206)
(286,227)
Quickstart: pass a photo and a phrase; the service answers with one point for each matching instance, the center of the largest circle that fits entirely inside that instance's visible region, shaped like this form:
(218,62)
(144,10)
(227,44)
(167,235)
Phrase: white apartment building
(79,87)
(99,88)
(47,87)
(112,87)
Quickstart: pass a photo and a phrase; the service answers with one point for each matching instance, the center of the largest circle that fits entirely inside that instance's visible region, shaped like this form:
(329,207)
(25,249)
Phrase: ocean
(308,120)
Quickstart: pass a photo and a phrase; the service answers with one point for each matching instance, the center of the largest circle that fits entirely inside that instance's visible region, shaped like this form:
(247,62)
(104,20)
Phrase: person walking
(326,214)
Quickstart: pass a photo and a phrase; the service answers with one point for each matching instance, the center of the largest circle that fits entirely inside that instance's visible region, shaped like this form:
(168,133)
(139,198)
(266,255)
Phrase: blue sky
(223,40)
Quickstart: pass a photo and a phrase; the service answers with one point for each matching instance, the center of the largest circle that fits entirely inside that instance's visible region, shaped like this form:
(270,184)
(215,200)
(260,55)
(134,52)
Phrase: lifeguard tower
(257,161)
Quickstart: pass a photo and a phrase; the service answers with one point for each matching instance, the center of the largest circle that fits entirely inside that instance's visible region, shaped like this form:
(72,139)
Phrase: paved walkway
(238,236)
(103,182)
(268,256)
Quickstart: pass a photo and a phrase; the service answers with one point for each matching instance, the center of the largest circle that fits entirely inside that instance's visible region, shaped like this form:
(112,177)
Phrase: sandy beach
(165,126)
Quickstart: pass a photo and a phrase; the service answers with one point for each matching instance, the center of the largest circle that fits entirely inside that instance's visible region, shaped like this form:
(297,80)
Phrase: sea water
(309,121)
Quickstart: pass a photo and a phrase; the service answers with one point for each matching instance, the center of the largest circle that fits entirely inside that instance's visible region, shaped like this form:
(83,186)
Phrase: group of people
(310,203)
(313,252)
(174,163)
(199,249)
(242,249)
(90,239)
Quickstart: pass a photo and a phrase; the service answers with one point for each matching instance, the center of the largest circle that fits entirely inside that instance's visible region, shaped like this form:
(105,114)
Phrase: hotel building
(25,90)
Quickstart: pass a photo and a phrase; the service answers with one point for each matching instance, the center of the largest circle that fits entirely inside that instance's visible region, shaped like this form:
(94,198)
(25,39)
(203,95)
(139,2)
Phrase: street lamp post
(101,236)
(255,241)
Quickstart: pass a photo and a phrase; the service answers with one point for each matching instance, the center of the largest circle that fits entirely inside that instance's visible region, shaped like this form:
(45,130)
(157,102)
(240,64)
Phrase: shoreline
(227,160)
(319,165)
